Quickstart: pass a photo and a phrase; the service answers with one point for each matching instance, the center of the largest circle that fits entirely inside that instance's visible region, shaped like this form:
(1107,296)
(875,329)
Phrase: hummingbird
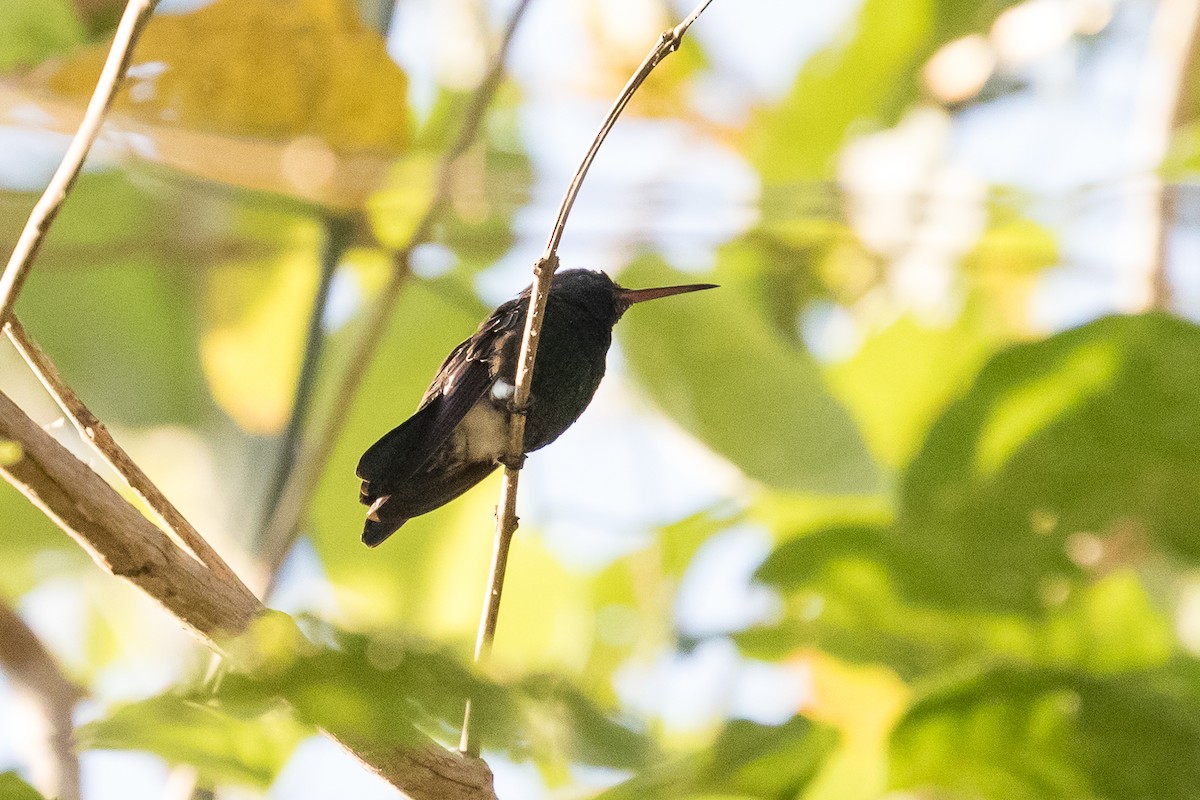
(459,433)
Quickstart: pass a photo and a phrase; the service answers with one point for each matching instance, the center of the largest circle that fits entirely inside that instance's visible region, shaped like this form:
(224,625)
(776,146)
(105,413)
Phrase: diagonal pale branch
(137,14)
(543,274)
(117,536)
(281,529)
(125,543)
(94,431)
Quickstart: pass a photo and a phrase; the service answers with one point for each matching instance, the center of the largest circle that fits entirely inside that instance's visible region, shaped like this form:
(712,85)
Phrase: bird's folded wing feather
(464,377)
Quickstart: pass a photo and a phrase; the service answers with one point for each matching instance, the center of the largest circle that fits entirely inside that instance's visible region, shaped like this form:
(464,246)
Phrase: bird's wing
(463,378)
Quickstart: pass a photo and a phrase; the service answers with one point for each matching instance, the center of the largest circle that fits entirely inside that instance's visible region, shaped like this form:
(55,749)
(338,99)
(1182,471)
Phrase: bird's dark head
(603,297)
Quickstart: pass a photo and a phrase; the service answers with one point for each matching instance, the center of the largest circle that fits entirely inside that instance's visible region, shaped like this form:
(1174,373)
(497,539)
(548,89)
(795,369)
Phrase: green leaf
(119,316)
(923,368)
(384,688)
(747,759)
(299,99)
(1008,732)
(31,545)
(1062,451)
(718,368)
(799,562)
(840,594)
(222,746)
(865,79)
(13,788)
(33,30)
(867,75)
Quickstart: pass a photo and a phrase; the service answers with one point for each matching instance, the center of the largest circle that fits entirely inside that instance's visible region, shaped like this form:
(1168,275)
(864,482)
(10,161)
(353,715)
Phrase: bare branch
(281,530)
(34,672)
(1164,93)
(137,14)
(543,274)
(94,431)
(125,543)
(119,538)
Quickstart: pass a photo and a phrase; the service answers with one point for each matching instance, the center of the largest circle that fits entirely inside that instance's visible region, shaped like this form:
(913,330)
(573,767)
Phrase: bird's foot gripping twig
(519,408)
(512,462)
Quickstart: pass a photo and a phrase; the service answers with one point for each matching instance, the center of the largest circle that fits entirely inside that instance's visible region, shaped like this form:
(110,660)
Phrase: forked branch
(126,544)
(91,429)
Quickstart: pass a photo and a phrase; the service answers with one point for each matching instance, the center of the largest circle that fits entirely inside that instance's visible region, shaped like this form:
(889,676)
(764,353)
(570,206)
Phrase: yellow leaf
(299,98)
(251,353)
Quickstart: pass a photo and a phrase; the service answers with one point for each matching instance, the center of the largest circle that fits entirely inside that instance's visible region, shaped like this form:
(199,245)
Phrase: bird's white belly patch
(483,433)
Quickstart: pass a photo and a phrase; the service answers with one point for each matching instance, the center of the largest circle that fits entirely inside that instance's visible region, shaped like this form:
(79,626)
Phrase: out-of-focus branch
(137,14)
(338,233)
(543,274)
(281,530)
(34,673)
(94,431)
(1162,94)
(125,543)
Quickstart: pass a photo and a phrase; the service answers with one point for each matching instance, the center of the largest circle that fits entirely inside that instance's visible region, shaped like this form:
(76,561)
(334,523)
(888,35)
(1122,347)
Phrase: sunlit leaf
(864,79)
(1007,732)
(222,746)
(259,69)
(861,703)
(1083,439)
(727,377)
(300,99)
(257,312)
(13,788)
(385,688)
(10,452)
(619,42)
(32,30)
(773,763)
(138,360)
(922,366)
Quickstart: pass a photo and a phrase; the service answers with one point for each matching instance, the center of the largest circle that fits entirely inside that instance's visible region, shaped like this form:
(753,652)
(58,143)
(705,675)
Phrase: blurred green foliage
(982,537)
(13,788)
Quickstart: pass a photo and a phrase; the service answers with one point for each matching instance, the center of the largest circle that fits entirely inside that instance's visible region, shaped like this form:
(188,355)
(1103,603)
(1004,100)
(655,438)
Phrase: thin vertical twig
(543,274)
(338,234)
(285,521)
(137,14)
(93,430)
